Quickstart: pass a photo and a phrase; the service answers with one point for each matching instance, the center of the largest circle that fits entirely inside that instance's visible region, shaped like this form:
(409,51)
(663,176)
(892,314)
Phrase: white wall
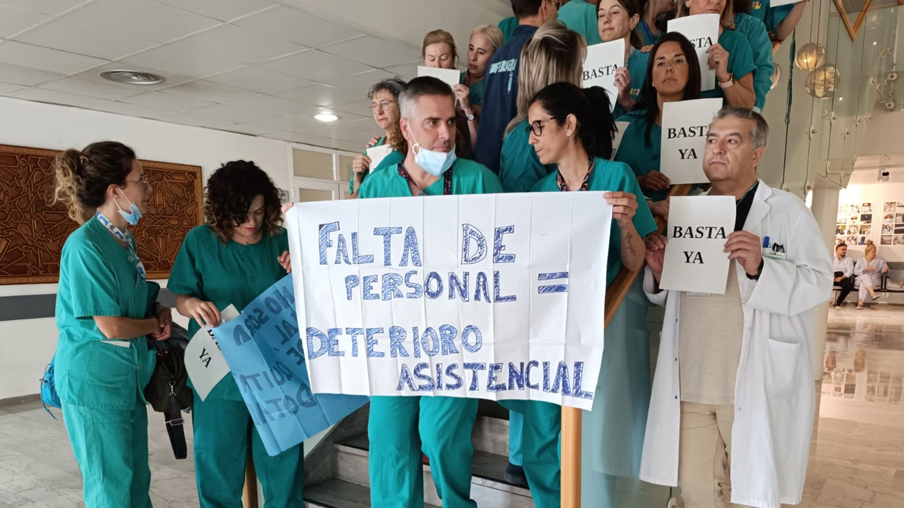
(26,346)
(877,195)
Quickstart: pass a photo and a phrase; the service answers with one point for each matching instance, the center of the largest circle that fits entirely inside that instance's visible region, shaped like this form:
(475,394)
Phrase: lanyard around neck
(125,238)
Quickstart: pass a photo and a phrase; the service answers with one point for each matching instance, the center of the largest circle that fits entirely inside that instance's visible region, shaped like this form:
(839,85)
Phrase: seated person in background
(869,272)
(731,58)
(672,74)
(384,105)
(844,273)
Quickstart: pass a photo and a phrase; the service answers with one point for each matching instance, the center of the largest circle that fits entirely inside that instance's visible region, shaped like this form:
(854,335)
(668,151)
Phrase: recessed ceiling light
(132,77)
(326,117)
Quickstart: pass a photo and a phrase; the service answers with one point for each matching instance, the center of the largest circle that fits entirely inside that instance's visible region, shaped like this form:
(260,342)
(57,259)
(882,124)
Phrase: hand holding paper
(745,247)
(703,31)
(654,181)
(655,254)
(624,206)
(375,155)
(718,61)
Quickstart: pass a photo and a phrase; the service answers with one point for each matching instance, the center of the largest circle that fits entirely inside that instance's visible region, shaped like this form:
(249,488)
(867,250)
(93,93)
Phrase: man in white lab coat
(733,397)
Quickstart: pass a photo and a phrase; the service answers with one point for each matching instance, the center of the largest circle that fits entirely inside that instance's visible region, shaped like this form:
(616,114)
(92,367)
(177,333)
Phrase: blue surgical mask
(435,163)
(132,216)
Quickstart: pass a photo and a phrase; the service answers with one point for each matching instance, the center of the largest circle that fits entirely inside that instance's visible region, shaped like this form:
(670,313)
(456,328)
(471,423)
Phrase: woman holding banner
(102,312)
(731,58)
(237,255)
(673,74)
(616,20)
(554,54)
(384,106)
(564,132)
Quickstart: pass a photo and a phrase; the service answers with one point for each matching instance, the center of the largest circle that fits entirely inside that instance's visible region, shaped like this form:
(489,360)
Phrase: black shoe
(514,475)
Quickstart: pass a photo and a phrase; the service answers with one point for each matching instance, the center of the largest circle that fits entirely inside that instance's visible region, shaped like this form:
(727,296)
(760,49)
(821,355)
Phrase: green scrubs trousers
(399,429)
(221,451)
(540,449)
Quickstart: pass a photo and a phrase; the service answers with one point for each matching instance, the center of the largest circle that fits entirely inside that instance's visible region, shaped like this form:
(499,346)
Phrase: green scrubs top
(637,68)
(761,47)
(581,17)
(772,17)
(227,274)
(98,277)
(468,177)
(614,177)
(519,166)
(646,35)
(635,152)
(508,26)
(475,94)
(391,158)
(740,60)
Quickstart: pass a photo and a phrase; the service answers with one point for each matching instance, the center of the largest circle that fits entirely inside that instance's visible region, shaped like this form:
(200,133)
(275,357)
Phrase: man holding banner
(733,423)
(400,427)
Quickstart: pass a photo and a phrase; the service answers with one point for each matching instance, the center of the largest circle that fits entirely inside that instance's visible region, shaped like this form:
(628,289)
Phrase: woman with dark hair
(102,312)
(384,106)
(617,19)
(673,74)
(572,128)
(731,57)
(239,253)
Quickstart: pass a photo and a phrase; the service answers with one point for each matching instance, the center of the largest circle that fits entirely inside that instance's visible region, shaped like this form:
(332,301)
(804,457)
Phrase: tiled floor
(856,460)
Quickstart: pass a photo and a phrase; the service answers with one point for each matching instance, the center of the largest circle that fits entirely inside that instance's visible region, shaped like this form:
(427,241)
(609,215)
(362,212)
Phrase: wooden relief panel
(32,231)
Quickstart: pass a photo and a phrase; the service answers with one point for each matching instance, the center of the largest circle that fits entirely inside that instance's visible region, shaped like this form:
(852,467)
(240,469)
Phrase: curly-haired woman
(239,253)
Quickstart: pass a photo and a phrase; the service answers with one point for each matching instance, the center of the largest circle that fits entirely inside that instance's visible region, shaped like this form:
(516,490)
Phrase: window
(319,174)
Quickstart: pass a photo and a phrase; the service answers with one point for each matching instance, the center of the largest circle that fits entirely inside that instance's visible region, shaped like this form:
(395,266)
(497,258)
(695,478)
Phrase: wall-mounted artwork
(32,230)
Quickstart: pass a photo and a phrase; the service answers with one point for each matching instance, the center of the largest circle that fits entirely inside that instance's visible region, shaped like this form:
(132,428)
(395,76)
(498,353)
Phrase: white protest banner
(451,77)
(698,229)
(703,31)
(600,65)
(685,125)
(779,3)
(619,134)
(482,296)
(204,362)
(377,154)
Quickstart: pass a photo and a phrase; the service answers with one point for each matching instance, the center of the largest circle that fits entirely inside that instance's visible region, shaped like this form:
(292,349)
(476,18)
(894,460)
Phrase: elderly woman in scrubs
(672,75)
(617,19)
(572,128)
(241,251)
(731,58)
(384,106)
(102,312)
(554,54)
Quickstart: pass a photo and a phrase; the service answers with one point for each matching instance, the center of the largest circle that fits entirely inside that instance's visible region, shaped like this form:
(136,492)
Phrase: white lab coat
(774,392)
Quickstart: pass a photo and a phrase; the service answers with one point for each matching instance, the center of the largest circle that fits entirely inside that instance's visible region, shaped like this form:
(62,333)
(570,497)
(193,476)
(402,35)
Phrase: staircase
(339,475)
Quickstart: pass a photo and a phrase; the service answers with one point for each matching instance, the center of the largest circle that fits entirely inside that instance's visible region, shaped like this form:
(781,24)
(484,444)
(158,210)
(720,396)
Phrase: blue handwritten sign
(263,349)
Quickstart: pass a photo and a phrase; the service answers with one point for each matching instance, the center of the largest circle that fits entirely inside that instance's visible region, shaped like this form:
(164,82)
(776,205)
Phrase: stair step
(488,486)
(340,494)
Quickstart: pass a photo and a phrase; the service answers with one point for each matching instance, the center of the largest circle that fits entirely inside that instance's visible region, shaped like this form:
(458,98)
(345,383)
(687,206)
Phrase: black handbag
(167,391)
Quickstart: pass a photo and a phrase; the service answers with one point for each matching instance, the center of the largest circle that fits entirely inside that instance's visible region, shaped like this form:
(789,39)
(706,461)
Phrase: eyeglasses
(382,105)
(143,180)
(537,127)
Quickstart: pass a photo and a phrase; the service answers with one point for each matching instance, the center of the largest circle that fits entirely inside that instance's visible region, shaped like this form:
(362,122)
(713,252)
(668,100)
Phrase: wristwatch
(729,83)
(470,117)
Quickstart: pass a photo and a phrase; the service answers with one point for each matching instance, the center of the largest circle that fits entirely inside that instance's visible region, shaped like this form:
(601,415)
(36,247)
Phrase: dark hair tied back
(82,178)
(591,108)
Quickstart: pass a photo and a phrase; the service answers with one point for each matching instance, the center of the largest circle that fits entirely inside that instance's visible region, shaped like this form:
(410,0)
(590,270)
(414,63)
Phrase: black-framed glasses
(380,105)
(537,126)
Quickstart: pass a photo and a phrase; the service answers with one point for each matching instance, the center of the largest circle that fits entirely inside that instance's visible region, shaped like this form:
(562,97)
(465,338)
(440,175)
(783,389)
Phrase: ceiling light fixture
(132,77)
(326,117)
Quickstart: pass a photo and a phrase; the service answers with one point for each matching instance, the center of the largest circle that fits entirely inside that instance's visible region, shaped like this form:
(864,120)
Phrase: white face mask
(132,216)
(435,163)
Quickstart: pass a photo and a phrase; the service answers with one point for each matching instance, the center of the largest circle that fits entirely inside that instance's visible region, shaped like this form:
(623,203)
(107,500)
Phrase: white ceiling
(867,169)
(257,67)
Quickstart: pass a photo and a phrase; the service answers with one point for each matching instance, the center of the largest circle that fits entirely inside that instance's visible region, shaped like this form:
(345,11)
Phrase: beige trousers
(705,455)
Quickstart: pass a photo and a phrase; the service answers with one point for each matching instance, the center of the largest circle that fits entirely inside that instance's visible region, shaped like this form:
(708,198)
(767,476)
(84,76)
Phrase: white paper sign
(779,3)
(685,125)
(703,31)
(619,134)
(600,65)
(482,296)
(698,229)
(377,154)
(451,77)
(204,361)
